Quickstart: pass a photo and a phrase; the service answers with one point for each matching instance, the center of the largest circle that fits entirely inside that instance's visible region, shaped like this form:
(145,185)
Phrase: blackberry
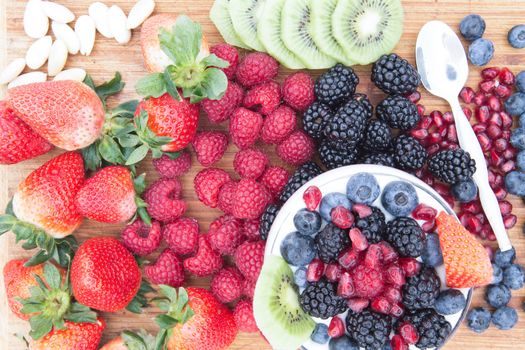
(421,291)
(452,166)
(385,159)
(433,328)
(366,104)
(398,112)
(394,75)
(266,221)
(406,236)
(330,242)
(346,128)
(409,154)
(302,175)
(319,299)
(371,330)
(377,137)
(373,226)
(333,158)
(315,120)
(336,86)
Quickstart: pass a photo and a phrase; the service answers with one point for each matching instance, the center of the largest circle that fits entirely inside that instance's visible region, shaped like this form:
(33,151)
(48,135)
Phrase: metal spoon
(443,67)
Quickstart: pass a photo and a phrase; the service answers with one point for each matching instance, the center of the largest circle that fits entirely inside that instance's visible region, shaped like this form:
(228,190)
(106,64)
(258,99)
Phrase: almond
(57,58)
(28,78)
(85,29)
(98,11)
(139,12)
(117,23)
(36,23)
(38,52)
(58,13)
(12,70)
(77,74)
(65,33)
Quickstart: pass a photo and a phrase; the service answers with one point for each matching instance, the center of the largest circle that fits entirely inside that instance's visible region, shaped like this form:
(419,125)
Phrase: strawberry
(129,340)
(194,320)
(78,336)
(206,261)
(66,113)
(467,263)
(108,196)
(105,263)
(18,142)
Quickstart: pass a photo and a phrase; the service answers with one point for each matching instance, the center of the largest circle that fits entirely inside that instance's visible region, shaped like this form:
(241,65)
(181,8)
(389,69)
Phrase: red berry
(373,256)
(226,196)
(263,98)
(227,285)
(278,125)
(381,304)
(163,200)
(348,258)
(342,217)
(333,272)
(388,252)
(225,234)
(368,282)
(210,147)
(312,197)
(220,110)
(336,328)
(249,258)
(170,168)
(229,54)
(167,269)
(362,210)
(393,294)
(250,163)
(251,229)
(206,261)
(345,287)
(243,316)
(359,241)
(315,270)
(256,68)
(298,91)
(408,332)
(140,238)
(245,127)
(275,178)
(395,275)
(357,304)
(250,200)
(182,235)
(207,184)
(429,226)
(249,288)
(397,310)
(398,343)
(410,266)
(297,149)
(424,212)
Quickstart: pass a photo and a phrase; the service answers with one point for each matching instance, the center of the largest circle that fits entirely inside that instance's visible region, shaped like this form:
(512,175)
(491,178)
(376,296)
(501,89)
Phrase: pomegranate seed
(495,159)
(450,200)
(348,258)
(420,110)
(435,137)
(503,91)
(395,275)
(467,94)
(437,118)
(419,134)
(479,128)
(471,207)
(494,103)
(410,266)
(482,114)
(315,270)
(357,304)
(414,97)
(428,178)
(397,310)
(452,134)
(479,99)
(359,241)
(508,166)
(474,225)
(342,217)
(362,210)
(493,131)
(498,180)
(481,217)
(500,145)
(443,131)
(506,120)
(442,189)
(453,146)
(393,294)
(312,197)
(487,86)
(467,111)
(424,212)
(500,193)
(484,141)
(432,149)
(389,253)
(491,236)
(506,77)
(428,226)
(408,332)
(373,257)
(333,272)
(506,134)
(510,153)
(464,218)
(505,207)
(490,252)
(381,304)
(397,343)
(495,119)
(336,328)
(510,221)
(449,118)
(345,287)
(489,73)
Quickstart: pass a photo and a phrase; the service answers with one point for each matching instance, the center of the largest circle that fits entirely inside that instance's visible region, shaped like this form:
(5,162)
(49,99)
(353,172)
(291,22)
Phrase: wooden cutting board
(108,56)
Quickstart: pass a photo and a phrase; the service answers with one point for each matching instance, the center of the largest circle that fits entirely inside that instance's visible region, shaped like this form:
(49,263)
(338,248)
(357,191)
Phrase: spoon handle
(469,142)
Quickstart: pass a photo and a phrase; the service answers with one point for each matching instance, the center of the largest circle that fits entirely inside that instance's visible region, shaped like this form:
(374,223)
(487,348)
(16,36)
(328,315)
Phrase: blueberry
(332,200)
(520,82)
(520,160)
(480,52)
(307,222)
(516,36)
(517,139)
(431,254)
(497,274)
(504,259)
(387,346)
(513,277)
(399,198)
(497,295)
(515,104)
(521,121)
(505,318)
(478,319)
(472,27)
(362,188)
(450,301)
(465,191)
(320,334)
(297,249)
(342,343)
(300,277)
(515,183)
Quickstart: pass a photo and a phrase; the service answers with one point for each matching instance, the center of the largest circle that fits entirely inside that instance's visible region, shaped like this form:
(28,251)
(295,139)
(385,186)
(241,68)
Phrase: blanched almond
(12,70)
(139,12)
(85,29)
(57,12)
(77,74)
(57,58)
(36,23)
(28,78)
(98,11)
(38,52)
(65,33)
(117,23)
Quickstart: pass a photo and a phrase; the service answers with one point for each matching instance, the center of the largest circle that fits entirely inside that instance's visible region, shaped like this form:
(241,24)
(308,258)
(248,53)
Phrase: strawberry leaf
(138,155)
(214,61)
(109,88)
(160,341)
(92,159)
(52,276)
(140,300)
(214,83)
(151,85)
(170,85)
(110,151)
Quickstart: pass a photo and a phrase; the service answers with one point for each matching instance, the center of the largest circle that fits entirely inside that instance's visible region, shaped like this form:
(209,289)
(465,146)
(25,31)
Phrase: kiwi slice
(245,14)
(295,30)
(367,29)
(321,18)
(269,33)
(220,16)
(276,306)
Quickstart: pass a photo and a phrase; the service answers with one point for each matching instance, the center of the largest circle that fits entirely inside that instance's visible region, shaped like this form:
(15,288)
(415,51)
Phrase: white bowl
(335,181)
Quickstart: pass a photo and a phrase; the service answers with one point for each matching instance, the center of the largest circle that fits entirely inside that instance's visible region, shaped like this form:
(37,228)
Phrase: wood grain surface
(108,56)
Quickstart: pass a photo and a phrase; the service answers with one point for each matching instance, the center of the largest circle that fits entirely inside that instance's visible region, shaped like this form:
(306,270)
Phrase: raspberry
(250,163)
(275,178)
(298,91)
(226,194)
(207,184)
(368,282)
(219,111)
(243,316)
(263,98)
(251,198)
(182,235)
(140,238)
(245,127)
(210,147)
(206,261)
(251,229)
(170,168)
(225,234)
(297,149)
(248,288)
(256,68)
(278,125)
(227,53)
(249,258)
(226,285)
(166,270)
(163,200)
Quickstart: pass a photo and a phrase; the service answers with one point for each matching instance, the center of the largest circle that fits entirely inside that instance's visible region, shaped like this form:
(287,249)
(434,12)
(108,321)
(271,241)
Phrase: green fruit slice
(295,31)
(269,34)
(367,29)
(245,15)
(276,306)
(220,16)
